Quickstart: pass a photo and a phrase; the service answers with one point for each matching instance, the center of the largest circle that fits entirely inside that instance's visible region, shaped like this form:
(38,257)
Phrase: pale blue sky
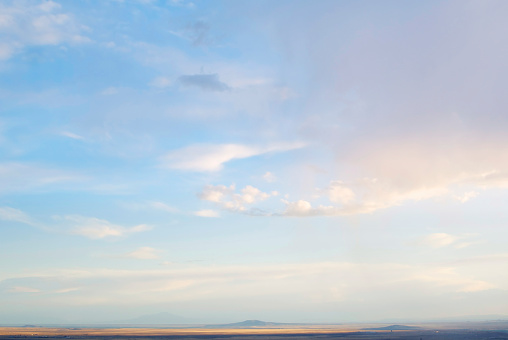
(323,161)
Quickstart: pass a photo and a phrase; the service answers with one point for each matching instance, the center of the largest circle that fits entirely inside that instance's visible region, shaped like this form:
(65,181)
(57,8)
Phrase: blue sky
(291,161)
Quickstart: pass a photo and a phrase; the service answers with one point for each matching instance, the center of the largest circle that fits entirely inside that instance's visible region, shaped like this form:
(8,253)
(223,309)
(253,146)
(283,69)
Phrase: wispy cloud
(211,157)
(95,228)
(15,215)
(144,253)
(16,176)
(207,213)
(72,135)
(19,289)
(440,240)
(151,205)
(186,283)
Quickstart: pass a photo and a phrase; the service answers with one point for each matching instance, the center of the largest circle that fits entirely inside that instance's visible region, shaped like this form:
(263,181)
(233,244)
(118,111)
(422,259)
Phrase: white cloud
(438,240)
(72,135)
(339,193)
(466,196)
(151,205)
(25,23)
(207,213)
(18,289)
(269,177)
(363,196)
(95,228)
(144,253)
(298,208)
(211,157)
(227,198)
(11,214)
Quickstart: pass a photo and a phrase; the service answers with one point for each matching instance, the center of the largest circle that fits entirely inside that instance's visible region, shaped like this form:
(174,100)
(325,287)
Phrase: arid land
(455,331)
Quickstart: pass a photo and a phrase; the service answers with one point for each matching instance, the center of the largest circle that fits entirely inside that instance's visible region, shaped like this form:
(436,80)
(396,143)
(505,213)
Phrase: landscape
(260,330)
(253,169)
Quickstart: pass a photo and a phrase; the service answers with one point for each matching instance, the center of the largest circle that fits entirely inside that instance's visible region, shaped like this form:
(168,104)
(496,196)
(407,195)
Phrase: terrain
(260,330)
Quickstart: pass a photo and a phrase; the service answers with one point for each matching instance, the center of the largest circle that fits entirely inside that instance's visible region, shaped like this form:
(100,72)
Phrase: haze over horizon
(287,161)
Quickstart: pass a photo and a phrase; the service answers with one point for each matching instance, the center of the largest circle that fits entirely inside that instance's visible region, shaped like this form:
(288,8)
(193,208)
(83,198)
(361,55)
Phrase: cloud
(95,228)
(197,33)
(483,259)
(316,282)
(151,205)
(109,91)
(23,290)
(211,157)
(161,82)
(162,206)
(440,240)
(466,196)
(362,196)
(205,82)
(269,177)
(144,253)
(207,213)
(72,135)
(227,198)
(339,193)
(15,215)
(374,113)
(16,176)
(67,290)
(29,24)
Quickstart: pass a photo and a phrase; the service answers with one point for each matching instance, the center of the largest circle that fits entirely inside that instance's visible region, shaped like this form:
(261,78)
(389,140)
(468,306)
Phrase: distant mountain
(466,318)
(463,318)
(392,328)
(163,318)
(247,324)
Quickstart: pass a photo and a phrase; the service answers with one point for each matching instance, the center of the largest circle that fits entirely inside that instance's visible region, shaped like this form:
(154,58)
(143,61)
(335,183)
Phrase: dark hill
(393,328)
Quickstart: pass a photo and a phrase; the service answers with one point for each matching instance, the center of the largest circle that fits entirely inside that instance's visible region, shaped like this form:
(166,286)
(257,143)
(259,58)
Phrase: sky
(289,161)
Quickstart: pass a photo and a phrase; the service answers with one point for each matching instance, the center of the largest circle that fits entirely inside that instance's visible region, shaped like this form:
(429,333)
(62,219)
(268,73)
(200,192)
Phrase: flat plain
(317,332)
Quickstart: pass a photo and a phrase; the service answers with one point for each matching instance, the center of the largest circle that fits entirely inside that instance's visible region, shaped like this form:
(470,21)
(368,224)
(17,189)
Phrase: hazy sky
(323,161)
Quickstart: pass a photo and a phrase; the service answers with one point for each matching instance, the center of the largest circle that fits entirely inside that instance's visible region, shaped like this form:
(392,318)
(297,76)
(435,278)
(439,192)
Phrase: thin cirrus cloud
(207,213)
(212,157)
(71,135)
(95,228)
(90,227)
(187,283)
(15,215)
(19,289)
(21,176)
(144,253)
(440,240)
